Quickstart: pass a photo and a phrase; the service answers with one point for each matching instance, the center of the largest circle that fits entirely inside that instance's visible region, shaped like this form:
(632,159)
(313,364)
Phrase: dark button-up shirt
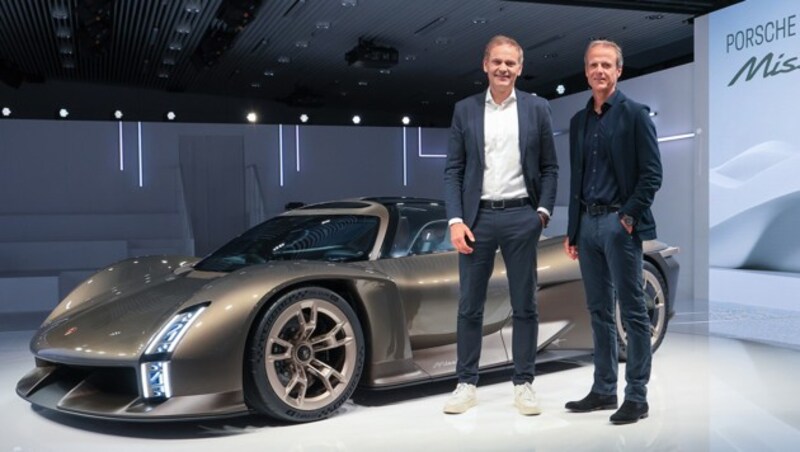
(599,183)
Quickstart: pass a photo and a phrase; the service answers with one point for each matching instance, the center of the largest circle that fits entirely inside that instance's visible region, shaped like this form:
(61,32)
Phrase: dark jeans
(611,258)
(516,231)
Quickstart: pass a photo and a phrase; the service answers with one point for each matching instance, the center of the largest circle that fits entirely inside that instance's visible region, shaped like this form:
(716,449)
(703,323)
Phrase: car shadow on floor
(221,427)
(380,397)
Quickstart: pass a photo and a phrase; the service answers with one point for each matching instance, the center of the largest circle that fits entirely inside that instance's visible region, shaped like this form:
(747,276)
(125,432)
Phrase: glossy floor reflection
(706,393)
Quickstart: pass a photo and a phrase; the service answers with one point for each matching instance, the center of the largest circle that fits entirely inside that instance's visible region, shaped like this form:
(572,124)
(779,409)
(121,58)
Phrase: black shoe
(630,412)
(593,402)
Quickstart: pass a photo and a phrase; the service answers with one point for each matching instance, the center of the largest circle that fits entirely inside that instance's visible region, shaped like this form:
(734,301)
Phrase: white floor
(706,393)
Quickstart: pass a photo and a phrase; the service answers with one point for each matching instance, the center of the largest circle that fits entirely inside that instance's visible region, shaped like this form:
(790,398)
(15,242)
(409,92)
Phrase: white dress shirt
(502,174)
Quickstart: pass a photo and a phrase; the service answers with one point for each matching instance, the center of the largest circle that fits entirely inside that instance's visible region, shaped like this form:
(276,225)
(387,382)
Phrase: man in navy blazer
(615,173)
(500,186)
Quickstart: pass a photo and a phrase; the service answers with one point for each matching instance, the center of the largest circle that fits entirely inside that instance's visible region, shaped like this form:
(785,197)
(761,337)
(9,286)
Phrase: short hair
(605,43)
(500,40)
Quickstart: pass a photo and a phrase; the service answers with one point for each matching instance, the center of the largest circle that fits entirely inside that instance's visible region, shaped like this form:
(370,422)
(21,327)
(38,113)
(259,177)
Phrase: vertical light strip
(297,146)
(121,149)
(141,180)
(280,150)
(405,158)
(419,147)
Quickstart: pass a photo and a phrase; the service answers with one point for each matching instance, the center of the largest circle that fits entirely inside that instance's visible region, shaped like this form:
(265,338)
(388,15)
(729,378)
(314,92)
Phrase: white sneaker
(464,397)
(525,400)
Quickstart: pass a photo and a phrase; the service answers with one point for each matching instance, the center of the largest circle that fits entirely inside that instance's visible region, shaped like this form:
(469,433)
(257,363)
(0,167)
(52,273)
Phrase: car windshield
(332,238)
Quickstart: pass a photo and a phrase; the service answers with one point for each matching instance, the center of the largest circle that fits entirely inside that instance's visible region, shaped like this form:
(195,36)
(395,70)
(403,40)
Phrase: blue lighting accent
(280,150)
(155,380)
(141,179)
(405,158)
(297,146)
(419,147)
(121,149)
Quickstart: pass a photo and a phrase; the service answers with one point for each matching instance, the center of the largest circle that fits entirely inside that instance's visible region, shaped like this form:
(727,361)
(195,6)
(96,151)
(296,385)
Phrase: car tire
(305,356)
(655,295)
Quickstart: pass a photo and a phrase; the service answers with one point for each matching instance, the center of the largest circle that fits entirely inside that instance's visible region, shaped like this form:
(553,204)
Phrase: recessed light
(443,40)
(301,44)
(192,7)
(6,112)
(252,117)
(406,120)
(118,114)
(561,89)
(63,113)
(183,29)
(479,20)
(410,58)
(385,71)
(176,46)
(269,73)
(255,85)
(64,33)
(284,59)
(323,25)
(654,17)
(349,3)
(363,83)
(59,13)
(356,119)
(171,116)
(304,118)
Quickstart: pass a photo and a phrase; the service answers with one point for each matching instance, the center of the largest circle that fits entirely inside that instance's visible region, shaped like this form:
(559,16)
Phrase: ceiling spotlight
(356,119)
(170,115)
(118,114)
(63,113)
(406,120)
(349,3)
(560,89)
(304,118)
(6,112)
(252,117)
(653,113)
(192,7)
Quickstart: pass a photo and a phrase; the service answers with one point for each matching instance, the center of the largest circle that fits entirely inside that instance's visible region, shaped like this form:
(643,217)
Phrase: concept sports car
(289,317)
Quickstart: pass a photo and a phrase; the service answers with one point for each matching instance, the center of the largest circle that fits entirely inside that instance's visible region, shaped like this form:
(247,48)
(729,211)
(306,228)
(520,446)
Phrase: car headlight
(154,374)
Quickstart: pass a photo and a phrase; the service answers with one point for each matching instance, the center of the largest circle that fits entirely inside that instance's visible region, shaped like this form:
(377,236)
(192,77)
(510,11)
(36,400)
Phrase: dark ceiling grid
(554,34)
(18,20)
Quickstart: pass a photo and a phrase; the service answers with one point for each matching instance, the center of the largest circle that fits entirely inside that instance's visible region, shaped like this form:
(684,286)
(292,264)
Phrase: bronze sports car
(289,317)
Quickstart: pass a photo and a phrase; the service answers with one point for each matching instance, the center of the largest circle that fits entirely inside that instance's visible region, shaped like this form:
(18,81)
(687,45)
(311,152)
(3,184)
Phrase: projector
(368,55)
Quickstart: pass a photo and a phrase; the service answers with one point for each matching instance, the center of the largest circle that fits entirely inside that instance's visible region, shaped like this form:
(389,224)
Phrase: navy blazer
(463,172)
(635,160)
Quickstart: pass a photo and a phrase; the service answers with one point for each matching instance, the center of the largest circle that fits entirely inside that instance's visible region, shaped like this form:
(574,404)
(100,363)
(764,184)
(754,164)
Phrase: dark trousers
(516,232)
(611,259)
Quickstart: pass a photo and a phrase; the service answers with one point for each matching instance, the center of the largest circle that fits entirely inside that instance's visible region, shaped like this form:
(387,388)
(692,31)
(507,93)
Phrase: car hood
(114,326)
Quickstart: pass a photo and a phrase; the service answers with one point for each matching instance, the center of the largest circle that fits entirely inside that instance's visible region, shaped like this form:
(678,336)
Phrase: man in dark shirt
(616,171)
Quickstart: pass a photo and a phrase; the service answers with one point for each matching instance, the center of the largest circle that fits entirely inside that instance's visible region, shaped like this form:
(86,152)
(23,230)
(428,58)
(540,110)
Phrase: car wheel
(655,297)
(306,356)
